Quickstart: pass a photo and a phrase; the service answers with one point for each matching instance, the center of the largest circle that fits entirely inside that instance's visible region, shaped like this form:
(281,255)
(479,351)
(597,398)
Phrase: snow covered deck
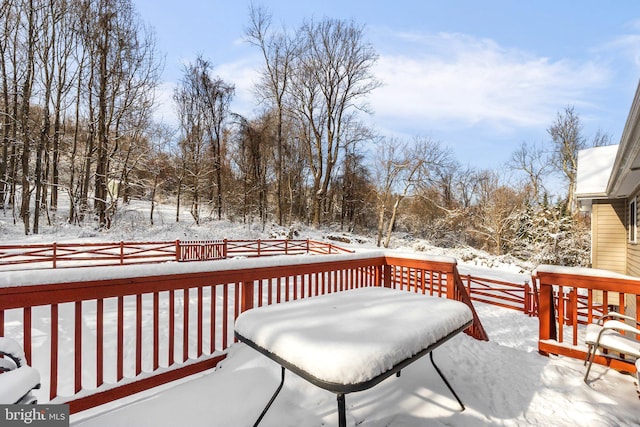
(104,334)
(507,383)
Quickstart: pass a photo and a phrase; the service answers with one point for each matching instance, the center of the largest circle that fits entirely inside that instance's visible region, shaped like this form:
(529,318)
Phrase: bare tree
(7,119)
(124,72)
(157,165)
(355,190)
(278,51)
(333,75)
(192,143)
(65,76)
(466,186)
(601,139)
(25,118)
(252,147)
(497,212)
(532,160)
(400,168)
(566,134)
(202,102)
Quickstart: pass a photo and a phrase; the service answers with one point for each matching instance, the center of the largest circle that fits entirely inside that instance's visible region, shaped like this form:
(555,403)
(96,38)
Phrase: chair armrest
(615,315)
(620,326)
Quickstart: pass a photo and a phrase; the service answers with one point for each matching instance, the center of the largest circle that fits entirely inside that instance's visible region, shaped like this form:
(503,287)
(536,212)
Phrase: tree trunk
(24,118)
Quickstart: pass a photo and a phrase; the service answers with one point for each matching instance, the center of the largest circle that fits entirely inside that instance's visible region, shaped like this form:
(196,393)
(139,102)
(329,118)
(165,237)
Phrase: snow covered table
(350,341)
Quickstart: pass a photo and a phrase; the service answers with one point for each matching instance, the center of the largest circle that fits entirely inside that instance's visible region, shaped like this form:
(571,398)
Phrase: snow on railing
(58,255)
(571,297)
(100,334)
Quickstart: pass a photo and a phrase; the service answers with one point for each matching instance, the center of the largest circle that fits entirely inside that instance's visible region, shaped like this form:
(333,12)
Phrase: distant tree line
(76,93)
(77,82)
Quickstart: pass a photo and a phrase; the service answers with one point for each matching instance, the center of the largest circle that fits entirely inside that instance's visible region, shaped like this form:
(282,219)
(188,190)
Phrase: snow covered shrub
(547,235)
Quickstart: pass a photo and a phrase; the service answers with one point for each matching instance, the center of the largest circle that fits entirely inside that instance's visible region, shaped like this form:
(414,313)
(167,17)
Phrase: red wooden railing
(571,297)
(102,334)
(522,297)
(57,255)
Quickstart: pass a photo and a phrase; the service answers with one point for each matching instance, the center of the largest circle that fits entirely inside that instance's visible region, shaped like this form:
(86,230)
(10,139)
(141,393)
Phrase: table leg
(342,416)
(445,381)
(266,408)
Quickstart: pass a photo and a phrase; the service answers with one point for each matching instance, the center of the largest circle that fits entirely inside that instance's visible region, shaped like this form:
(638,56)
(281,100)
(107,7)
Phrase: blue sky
(479,76)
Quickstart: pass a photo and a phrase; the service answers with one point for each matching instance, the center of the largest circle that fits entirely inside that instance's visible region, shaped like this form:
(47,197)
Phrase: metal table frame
(342,389)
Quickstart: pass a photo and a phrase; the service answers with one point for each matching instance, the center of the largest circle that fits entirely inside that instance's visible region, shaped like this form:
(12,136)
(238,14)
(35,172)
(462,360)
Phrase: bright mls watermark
(34,415)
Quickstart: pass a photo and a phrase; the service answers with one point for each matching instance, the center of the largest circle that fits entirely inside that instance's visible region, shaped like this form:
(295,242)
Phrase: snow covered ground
(502,382)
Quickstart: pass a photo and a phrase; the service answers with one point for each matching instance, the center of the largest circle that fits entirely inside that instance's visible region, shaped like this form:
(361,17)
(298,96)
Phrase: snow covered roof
(594,170)
(625,175)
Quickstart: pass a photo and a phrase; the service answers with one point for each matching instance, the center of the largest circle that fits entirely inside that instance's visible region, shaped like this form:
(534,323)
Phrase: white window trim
(633,220)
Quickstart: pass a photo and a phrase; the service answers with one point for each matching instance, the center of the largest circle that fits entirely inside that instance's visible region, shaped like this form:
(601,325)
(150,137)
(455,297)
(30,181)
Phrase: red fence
(57,255)
(521,297)
(102,334)
(572,297)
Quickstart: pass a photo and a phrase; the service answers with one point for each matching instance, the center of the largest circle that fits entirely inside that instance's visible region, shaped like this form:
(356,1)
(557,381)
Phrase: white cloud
(243,75)
(627,46)
(452,78)
(165,109)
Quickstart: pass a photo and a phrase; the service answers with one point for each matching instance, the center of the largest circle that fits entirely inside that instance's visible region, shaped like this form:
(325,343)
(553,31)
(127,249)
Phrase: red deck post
(53,385)
(77,347)
(572,302)
(387,275)
(26,321)
(185,324)
(120,339)
(546,314)
(138,334)
(451,284)
(247,296)
(100,342)
(156,330)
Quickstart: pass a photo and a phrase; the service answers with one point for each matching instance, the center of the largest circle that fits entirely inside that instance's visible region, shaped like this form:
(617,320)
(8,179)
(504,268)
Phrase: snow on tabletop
(353,336)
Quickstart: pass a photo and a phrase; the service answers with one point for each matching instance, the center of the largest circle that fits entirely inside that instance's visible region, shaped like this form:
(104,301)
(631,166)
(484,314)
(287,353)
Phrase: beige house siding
(633,260)
(633,249)
(608,239)
(609,235)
